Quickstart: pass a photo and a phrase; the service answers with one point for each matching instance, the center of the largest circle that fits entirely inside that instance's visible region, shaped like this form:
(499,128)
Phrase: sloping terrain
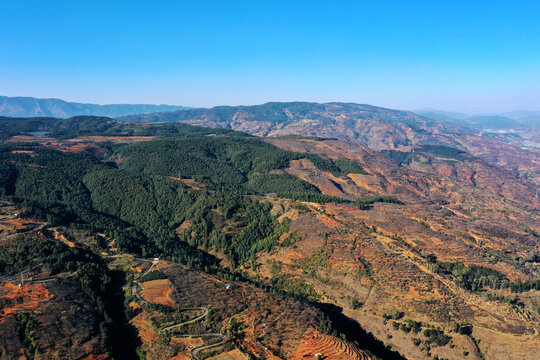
(157,291)
(257,322)
(243,221)
(392,257)
(517,128)
(41,318)
(374,127)
(63,323)
(219,239)
(313,342)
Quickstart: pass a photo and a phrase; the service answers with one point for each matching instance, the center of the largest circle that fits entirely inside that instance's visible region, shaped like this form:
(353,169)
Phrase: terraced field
(329,347)
(277,323)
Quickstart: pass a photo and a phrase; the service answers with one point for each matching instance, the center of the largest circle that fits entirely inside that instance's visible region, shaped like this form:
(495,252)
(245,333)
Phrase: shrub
(152,275)
(436,336)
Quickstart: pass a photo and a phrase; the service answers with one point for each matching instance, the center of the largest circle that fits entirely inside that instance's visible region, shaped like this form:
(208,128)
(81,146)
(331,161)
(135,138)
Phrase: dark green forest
(101,126)
(138,201)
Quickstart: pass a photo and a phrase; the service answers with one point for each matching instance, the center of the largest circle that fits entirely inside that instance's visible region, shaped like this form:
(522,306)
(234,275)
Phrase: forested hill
(31,107)
(111,196)
(99,126)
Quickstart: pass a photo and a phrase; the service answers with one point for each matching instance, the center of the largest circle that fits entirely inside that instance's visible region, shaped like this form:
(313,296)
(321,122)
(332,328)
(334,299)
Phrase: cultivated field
(158,292)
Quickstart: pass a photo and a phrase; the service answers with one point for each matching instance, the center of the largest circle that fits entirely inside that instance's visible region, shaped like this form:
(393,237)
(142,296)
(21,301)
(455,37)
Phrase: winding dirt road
(194,352)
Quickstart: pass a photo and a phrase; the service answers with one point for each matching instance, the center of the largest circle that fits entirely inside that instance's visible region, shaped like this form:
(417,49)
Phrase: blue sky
(473,56)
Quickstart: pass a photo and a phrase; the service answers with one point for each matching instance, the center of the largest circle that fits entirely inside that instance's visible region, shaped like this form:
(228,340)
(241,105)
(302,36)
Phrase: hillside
(278,247)
(516,120)
(32,107)
(393,257)
(374,127)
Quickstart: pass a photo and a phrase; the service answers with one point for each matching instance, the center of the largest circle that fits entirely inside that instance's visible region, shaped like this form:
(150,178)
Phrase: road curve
(165,329)
(194,352)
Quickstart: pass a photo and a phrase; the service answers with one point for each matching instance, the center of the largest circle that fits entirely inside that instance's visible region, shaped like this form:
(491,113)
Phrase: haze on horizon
(475,57)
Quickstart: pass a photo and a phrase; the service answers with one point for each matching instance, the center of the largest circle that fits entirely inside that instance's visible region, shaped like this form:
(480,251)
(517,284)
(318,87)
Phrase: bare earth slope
(386,257)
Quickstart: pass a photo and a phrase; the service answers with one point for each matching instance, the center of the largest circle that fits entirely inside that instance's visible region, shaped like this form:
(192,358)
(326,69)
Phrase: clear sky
(474,56)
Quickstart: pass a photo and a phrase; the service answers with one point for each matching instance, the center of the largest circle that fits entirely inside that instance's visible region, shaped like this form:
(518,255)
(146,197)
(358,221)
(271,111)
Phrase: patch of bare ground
(180,357)
(499,345)
(230,355)
(158,292)
(23,298)
(189,183)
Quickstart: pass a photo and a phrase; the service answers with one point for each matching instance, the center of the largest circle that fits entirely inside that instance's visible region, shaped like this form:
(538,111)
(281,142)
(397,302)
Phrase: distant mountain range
(516,120)
(521,114)
(271,112)
(372,126)
(31,107)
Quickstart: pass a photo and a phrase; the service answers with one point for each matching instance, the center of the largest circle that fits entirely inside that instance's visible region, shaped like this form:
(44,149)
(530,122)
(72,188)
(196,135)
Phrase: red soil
(158,291)
(60,237)
(179,357)
(27,297)
(188,182)
(230,355)
(146,335)
(111,138)
(27,152)
(95,357)
(16,222)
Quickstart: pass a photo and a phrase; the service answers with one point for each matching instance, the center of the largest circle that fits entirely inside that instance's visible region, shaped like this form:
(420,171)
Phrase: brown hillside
(466,211)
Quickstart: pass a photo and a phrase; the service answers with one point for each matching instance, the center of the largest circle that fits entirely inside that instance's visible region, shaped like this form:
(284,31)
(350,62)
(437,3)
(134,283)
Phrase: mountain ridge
(21,106)
(374,127)
(511,120)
